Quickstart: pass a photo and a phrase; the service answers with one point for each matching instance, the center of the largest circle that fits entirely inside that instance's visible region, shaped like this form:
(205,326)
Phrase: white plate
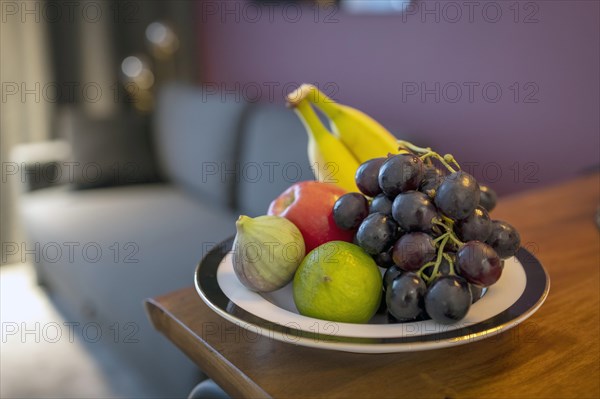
(520,291)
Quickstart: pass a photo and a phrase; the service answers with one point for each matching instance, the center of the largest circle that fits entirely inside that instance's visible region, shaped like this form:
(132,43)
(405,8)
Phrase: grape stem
(440,223)
(421,271)
(451,263)
(441,237)
(447,224)
(414,148)
(426,153)
(433,154)
(438,261)
(450,159)
(456,240)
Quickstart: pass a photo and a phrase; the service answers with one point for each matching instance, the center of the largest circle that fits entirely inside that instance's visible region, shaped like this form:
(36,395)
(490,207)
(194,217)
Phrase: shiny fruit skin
(478,263)
(476,226)
(458,195)
(309,205)
(390,274)
(448,299)
(487,198)
(376,233)
(404,296)
(400,173)
(367,177)
(413,250)
(414,211)
(384,259)
(504,238)
(382,204)
(350,210)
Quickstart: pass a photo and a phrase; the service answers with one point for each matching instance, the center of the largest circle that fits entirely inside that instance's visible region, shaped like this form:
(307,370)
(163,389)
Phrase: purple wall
(550,132)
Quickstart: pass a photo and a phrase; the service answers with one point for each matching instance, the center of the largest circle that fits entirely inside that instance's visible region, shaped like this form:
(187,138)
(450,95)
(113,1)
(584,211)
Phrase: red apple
(309,205)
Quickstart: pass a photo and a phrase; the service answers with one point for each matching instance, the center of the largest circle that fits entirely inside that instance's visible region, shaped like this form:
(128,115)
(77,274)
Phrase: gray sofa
(219,159)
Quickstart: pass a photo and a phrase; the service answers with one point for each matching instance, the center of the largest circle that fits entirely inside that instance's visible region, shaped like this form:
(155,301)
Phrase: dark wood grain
(554,354)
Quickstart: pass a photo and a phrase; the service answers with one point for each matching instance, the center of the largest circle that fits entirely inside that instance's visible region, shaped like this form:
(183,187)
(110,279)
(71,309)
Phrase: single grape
(457,195)
(390,274)
(382,204)
(476,292)
(384,259)
(376,233)
(404,296)
(448,299)
(414,211)
(400,173)
(504,238)
(413,250)
(367,177)
(476,226)
(350,210)
(478,263)
(432,177)
(487,198)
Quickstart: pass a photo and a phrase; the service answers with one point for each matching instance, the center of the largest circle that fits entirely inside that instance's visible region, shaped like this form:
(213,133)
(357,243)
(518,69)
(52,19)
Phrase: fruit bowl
(518,294)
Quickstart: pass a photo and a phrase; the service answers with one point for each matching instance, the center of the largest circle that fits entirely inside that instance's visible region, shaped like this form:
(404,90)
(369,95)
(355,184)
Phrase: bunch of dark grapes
(427,222)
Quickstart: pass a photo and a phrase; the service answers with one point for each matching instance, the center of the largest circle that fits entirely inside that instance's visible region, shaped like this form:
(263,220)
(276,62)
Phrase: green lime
(338,281)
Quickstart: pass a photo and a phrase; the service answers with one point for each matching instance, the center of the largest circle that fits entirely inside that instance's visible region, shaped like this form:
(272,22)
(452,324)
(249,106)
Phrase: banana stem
(300,94)
(316,97)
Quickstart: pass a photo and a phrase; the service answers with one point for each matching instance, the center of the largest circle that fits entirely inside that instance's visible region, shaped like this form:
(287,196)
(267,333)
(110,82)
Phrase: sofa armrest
(39,165)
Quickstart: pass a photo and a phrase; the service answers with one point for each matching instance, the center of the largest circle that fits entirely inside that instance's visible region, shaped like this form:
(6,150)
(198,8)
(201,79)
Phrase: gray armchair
(123,244)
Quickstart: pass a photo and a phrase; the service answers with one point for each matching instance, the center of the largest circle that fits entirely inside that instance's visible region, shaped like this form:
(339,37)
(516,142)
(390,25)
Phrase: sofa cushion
(272,157)
(109,151)
(196,140)
(128,243)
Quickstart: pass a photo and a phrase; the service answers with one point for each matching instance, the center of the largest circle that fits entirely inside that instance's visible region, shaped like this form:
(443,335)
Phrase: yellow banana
(330,160)
(364,136)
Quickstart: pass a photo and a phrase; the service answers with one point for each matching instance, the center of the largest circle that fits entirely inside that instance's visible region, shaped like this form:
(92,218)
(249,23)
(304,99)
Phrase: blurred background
(133,133)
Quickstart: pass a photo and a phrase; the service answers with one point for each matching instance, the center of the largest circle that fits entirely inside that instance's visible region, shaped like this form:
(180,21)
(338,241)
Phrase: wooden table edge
(236,385)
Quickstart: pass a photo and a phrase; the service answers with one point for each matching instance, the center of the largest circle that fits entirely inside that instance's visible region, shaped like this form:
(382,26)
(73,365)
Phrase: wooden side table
(554,354)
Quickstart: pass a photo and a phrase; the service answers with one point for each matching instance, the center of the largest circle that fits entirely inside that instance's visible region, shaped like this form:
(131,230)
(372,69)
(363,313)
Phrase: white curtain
(25,113)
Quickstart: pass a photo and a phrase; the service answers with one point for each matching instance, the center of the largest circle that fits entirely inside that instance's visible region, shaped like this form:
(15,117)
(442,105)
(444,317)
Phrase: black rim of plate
(536,290)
